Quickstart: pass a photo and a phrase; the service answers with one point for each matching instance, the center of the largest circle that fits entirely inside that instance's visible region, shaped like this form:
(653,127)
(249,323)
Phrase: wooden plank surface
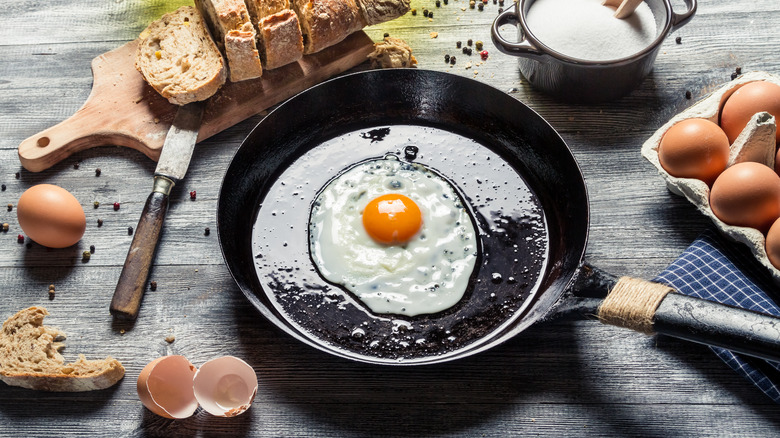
(564,378)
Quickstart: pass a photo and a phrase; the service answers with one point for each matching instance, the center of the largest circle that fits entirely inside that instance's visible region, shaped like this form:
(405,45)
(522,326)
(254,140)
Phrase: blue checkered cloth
(716,269)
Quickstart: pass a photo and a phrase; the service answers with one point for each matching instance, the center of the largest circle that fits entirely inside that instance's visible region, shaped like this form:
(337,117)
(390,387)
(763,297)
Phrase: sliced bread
(30,358)
(235,36)
(178,58)
(327,22)
(281,39)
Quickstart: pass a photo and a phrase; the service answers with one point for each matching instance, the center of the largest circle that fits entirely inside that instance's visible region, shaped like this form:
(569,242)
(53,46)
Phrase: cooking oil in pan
(512,249)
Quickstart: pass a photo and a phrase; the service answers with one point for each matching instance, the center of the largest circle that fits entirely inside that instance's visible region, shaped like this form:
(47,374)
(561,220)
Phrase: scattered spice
(467,51)
(122,331)
(458,44)
(153,285)
(739,70)
(688,94)
(425,12)
(10,207)
(446,58)
(472,4)
(470,42)
(170,339)
(116,206)
(438,3)
(100,223)
(733,76)
(207,231)
(17,175)
(20,239)
(129,231)
(481,6)
(85,256)
(414,12)
(51,287)
(96,204)
(452,60)
(501,2)
(2,187)
(500,10)
(92,248)
(28,245)
(76,165)
(430,16)
(5,226)
(434,34)
(484,55)
(193,195)
(678,40)
(97,172)
(51,292)
(478,45)
(385,35)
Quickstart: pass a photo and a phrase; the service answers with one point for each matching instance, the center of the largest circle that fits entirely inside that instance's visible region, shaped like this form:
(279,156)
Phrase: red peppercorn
(20,238)
(484,55)
(193,194)
(116,206)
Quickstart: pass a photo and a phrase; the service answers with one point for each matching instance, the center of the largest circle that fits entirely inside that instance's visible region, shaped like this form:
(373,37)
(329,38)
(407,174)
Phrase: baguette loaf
(259,9)
(281,39)
(234,35)
(327,22)
(30,358)
(380,11)
(178,58)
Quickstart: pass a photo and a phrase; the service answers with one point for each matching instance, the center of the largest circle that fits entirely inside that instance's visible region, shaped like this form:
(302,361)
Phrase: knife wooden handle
(132,281)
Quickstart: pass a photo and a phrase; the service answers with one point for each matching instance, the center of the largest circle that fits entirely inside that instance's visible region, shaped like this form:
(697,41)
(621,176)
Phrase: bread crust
(380,11)
(235,36)
(259,9)
(180,61)
(281,39)
(327,22)
(30,358)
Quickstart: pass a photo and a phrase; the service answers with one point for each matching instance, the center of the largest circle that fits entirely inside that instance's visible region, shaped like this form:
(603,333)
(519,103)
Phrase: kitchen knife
(171,167)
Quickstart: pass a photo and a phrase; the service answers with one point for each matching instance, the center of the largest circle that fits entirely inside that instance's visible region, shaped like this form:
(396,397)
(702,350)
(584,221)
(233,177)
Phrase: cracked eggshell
(165,387)
(755,143)
(225,386)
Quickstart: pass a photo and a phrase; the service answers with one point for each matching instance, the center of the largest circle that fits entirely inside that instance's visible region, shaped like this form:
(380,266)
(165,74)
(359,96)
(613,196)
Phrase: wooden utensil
(123,110)
(623,8)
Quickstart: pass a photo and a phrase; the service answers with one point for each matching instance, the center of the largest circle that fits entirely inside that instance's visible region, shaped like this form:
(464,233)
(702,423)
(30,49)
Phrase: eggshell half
(165,387)
(225,386)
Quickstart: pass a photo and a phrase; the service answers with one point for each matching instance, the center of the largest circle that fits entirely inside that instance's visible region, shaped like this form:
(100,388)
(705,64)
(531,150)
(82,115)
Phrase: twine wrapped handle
(652,308)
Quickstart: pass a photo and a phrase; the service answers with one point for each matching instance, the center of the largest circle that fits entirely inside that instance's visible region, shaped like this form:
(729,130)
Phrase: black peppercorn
(2,187)
(688,94)
(96,204)
(458,44)
(425,12)
(739,70)
(207,231)
(430,14)
(17,175)
(97,172)
(678,40)
(414,12)
(129,231)
(153,285)
(92,248)
(452,60)
(386,35)
(470,42)
(438,3)
(733,76)
(100,222)
(446,2)
(76,166)
(481,6)
(446,58)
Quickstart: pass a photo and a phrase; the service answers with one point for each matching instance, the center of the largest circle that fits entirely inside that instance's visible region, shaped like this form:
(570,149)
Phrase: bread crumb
(392,53)
(170,339)
(434,34)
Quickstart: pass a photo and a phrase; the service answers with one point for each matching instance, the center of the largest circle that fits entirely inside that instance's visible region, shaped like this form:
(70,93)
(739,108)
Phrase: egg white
(426,275)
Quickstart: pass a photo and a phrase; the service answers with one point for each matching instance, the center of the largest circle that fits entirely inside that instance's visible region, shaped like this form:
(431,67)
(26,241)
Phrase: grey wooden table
(565,378)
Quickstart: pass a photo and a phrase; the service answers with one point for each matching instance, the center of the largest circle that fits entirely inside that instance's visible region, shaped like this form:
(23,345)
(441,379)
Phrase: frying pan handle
(653,308)
(680,20)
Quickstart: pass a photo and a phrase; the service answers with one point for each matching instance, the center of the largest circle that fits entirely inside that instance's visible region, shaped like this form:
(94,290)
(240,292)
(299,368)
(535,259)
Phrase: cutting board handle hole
(43,142)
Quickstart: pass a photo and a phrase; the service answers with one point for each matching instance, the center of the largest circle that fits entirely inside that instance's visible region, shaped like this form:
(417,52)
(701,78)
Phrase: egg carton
(755,143)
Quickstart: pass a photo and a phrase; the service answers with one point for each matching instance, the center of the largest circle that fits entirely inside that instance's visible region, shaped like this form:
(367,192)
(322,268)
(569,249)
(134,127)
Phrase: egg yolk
(392,219)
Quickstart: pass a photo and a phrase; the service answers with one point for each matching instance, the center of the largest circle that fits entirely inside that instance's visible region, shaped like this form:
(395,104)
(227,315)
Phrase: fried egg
(396,235)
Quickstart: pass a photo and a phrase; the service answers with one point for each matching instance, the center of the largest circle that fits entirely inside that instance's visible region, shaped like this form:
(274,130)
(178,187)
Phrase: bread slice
(30,358)
(177,57)
(327,22)
(380,11)
(235,36)
(281,39)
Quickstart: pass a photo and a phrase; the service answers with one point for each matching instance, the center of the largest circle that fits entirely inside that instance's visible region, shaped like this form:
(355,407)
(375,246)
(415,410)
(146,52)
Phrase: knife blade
(171,167)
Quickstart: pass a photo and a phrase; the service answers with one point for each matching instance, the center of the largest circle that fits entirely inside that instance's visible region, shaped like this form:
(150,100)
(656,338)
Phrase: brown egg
(749,99)
(773,244)
(165,387)
(51,216)
(694,148)
(748,195)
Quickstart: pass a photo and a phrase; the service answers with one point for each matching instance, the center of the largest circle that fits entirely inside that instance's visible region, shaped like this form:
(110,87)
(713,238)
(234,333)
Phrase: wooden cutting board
(123,110)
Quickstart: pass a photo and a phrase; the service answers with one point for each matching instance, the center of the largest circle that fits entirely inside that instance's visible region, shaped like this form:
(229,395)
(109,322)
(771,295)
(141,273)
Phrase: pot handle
(521,48)
(655,308)
(680,20)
